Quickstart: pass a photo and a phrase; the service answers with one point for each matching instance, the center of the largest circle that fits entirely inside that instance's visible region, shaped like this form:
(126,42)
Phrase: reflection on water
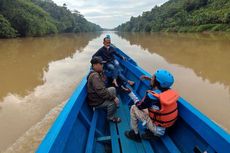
(39,74)
(200,63)
(32,138)
(207,54)
(22,61)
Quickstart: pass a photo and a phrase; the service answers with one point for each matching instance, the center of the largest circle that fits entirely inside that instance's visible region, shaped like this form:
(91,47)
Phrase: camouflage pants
(141,115)
(109,105)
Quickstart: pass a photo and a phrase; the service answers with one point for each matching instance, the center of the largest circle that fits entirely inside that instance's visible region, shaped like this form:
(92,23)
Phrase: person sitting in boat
(157,110)
(98,95)
(107,53)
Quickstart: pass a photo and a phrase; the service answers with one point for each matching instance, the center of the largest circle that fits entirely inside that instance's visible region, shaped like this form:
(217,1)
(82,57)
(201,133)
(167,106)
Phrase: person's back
(161,103)
(165,113)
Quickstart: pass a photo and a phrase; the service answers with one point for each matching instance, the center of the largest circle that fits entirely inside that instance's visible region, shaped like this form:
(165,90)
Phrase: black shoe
(148,135)
(132,135)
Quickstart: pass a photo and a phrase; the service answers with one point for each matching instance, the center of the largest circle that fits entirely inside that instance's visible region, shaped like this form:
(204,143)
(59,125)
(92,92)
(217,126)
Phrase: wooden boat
(80,129)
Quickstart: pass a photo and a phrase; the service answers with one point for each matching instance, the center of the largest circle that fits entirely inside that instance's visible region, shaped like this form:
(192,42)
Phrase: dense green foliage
(65,20)
(6,30)
(38,18)
(183,16)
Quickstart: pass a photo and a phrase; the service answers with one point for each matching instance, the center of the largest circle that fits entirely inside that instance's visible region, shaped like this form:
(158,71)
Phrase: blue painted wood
(209,149)
(127,144)
(104,138)
(147,146)
(115,138)
(143,147)
(81,114)
(99,133)
(180,134)
(207,129)
(91,139)
(101,127)
(169,144)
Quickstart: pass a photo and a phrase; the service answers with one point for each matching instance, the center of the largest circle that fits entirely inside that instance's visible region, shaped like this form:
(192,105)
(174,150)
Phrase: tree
(40,17)
(6,30)
(191,5)
(227,17)
(182,15)
(27,18)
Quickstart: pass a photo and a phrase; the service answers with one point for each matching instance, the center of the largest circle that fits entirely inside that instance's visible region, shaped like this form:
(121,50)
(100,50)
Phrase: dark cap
(96,60)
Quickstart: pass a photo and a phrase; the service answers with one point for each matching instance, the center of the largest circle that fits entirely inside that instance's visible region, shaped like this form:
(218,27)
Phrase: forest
(21,18)
(182,16)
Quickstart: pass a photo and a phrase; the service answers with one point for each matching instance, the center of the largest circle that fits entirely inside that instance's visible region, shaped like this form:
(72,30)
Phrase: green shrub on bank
(6,30)
(39,17)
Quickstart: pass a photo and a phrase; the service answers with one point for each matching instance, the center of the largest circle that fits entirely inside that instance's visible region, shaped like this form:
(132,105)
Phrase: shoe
(148,135)
(115,120)
(125,89)
(132,135)
(115,83)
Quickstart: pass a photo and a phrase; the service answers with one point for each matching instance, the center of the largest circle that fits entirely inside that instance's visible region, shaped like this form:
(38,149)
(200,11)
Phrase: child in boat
(157,110)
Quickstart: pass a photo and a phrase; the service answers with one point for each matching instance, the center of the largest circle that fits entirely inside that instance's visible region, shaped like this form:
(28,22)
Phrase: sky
(110,13)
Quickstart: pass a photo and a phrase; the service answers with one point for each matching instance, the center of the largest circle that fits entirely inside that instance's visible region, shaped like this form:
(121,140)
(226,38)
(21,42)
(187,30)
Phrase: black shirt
(107,54)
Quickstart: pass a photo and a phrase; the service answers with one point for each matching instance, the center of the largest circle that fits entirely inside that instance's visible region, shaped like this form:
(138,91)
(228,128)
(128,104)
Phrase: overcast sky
(110,13)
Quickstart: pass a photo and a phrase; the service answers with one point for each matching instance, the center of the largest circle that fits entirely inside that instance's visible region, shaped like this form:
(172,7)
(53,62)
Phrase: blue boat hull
(79,129)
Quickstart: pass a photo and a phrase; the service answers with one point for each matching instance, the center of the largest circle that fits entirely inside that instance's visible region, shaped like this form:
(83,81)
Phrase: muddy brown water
(39,74)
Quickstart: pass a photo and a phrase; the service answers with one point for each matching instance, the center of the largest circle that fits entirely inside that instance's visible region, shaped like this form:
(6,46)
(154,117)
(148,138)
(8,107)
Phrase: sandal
(115,120)
(131,83)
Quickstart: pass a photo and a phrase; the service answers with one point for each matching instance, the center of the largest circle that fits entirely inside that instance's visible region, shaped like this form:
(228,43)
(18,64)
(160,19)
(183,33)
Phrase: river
(39,74)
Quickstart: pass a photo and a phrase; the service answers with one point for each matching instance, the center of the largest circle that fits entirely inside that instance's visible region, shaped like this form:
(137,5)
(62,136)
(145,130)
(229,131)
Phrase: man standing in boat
(157,110)
(98,95)
(107,53)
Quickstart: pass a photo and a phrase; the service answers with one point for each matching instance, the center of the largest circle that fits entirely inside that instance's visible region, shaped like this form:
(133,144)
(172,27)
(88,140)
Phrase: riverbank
(38,18)
(182,16)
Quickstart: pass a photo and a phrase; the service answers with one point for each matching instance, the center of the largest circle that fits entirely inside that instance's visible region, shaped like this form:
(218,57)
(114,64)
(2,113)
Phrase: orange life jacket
(167,115)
